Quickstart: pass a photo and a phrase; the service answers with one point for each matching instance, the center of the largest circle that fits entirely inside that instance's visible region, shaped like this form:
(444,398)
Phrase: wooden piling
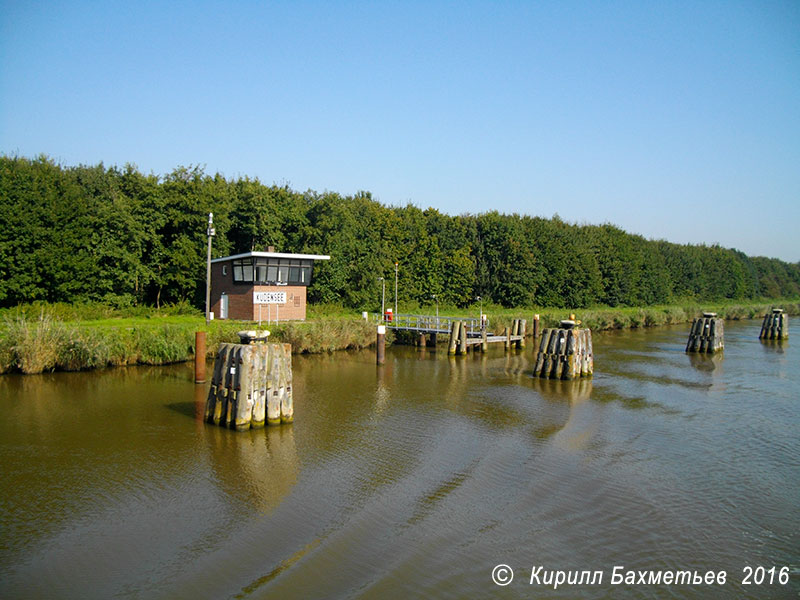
(535,326)
(212,411)
(507,335)
(274,392)
(521,332)
(200,357)
(484,341)
(462,338)
(287,403)
(454,329)
(259,396)
(706,335)
(422,342)
(251,385)
(242,407)
(541,355)
(775,326)
(564,353)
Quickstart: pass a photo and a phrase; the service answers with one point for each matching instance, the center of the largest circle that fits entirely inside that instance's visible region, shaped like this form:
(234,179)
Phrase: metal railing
(429,323)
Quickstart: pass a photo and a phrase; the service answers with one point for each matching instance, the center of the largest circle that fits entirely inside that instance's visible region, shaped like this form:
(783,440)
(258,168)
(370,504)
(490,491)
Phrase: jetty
(464,333)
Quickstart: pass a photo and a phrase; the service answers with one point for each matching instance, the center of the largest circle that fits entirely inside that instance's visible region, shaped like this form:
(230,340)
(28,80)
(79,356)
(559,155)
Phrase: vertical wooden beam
(454,327)
(200,357)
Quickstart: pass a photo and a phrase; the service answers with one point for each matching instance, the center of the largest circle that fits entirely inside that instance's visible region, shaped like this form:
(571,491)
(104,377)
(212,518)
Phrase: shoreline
(48,344)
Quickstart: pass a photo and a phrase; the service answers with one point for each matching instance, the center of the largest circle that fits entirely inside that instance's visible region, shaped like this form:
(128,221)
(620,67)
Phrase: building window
(271,271)
(243,270)
(224,269)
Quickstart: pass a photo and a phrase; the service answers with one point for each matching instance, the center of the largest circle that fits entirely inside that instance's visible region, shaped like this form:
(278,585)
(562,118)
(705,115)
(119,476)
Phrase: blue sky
(674,120)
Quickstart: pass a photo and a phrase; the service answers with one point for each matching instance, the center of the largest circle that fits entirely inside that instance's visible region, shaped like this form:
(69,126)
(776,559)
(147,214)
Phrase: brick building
(257,286)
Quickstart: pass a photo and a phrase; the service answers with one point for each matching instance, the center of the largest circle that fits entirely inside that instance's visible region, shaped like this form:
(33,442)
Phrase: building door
(223,306)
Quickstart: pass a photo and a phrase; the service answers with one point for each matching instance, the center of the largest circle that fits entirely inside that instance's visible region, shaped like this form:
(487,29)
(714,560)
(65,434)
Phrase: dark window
(294,274)
(243,270)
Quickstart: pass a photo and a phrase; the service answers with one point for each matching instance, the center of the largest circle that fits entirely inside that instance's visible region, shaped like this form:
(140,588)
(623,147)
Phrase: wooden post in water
(423,340)
(484,341)
(706,334)
(287,405)
(381,345)
(775,326)
(200,357)
(462,337)
(454,327)
(522,326)
(251,384)
(564,353)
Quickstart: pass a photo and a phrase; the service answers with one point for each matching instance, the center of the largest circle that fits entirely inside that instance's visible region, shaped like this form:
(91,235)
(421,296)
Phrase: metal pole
(210,233)
(380,355)
(383,297)
(395,288)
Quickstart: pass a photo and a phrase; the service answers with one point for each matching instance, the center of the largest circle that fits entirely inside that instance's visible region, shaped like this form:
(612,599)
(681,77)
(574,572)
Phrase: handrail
(429,322)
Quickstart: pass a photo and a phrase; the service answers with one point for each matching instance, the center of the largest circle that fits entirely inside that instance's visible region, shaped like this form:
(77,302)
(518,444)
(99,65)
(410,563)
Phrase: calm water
(413,480)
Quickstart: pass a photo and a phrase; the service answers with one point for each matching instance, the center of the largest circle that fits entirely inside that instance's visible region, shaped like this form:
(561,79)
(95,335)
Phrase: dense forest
(92,233)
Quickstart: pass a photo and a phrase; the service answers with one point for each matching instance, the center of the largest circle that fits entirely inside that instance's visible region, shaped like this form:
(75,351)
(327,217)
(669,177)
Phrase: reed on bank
(40,338)
(44,343)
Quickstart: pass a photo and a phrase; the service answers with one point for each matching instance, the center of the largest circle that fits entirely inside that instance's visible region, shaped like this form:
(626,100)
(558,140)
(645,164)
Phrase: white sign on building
(269,298)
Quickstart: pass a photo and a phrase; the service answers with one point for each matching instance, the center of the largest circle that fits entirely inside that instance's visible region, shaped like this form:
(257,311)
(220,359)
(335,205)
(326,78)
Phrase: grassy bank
(45,337)
(36,343)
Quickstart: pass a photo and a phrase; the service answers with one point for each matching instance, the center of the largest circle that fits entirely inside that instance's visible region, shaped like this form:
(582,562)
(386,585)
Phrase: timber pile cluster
(565,353)
(775,326)
(706,334)
(251,386)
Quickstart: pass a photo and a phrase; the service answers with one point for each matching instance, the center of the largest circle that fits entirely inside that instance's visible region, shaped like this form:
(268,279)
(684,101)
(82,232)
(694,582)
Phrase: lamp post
(479,299)
(210,232)
(383,298)
(437,309)
(395,288)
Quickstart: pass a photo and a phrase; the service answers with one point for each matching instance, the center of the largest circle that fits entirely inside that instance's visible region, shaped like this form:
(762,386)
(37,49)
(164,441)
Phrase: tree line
(96,233)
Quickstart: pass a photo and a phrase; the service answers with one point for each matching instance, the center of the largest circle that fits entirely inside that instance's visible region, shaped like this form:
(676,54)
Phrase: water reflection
(577,390)
(707,363)
(774,346)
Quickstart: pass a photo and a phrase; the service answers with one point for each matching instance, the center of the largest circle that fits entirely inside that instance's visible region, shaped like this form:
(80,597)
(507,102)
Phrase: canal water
(413,480)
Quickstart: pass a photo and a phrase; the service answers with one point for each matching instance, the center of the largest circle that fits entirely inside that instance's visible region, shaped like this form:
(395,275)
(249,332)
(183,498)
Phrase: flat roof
(274,255)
